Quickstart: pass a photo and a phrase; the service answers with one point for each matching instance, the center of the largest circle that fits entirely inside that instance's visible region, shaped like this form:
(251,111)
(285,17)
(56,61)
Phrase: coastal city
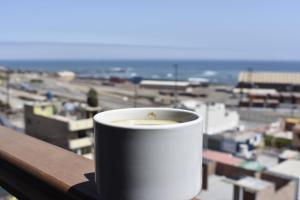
(150,100)
(250,130)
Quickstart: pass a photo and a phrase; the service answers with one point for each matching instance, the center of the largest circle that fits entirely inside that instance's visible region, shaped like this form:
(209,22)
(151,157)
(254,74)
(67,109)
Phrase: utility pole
(136,81)
(175,85)
(135,96)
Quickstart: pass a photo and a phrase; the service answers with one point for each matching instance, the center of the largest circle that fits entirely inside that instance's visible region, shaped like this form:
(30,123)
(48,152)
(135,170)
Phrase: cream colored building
(66,75)
(64,131)
(280,81)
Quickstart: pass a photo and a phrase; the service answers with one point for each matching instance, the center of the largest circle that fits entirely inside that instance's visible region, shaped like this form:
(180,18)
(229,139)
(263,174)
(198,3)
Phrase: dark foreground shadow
(85,190)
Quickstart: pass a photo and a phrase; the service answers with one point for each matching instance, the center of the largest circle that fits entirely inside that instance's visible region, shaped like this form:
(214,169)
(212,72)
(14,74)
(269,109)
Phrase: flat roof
(252,165)
(65,73)
(255,91)
(293,120)
(288,154)
(281,134)
(240,136)
(288,167)
(253,184)
(288,78)
(164,83)
(218,189)
(221,157)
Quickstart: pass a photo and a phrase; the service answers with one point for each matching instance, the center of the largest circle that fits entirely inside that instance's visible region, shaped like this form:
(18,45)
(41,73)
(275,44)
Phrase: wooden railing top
(32,161)
(32,169)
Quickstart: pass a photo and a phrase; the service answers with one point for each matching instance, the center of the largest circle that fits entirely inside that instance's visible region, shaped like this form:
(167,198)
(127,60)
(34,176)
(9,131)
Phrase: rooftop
(240,136)
(257,91)
(218,189)
(253,184)
(289,154)
(165,83)
(270,77)
(221,157)
(288,167)
(252,165)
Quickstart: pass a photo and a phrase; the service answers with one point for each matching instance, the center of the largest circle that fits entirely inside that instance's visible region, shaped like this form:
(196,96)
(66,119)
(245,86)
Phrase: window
(82,134)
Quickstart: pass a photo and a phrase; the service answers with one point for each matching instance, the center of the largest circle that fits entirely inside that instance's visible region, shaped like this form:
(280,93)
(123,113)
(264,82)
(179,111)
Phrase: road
(109,97)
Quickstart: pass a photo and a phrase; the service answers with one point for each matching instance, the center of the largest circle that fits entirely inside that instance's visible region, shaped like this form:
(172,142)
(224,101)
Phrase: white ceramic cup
(148,162)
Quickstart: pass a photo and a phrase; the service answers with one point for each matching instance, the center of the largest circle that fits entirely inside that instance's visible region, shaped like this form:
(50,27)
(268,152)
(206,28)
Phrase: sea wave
(209,73)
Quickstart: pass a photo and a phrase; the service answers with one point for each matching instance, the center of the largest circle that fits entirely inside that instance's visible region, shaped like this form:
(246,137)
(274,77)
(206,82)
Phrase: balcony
(32,169)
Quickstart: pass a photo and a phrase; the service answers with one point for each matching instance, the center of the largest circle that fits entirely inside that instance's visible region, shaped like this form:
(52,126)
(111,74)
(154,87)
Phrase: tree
(92,98)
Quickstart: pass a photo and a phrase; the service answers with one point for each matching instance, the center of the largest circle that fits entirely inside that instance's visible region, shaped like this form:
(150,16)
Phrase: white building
(66,75)
(289,168)
(216,118)
(160,84)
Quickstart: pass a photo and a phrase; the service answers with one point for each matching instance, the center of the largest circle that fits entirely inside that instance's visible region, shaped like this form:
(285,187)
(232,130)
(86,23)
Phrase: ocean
(225,72)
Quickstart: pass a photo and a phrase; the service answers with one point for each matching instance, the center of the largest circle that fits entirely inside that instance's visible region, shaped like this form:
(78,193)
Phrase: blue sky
(171,29)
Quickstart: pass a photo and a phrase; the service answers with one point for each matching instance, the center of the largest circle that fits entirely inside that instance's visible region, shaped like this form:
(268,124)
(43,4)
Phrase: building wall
(218,118)
(208,168)
(285,187)
(296,137)
(287,192)
(82,124)
(274,178)
(47,129)
(165,87)
(266,194)
(263,117)
(45,111)
(234,171)
(279,87)
(204,176)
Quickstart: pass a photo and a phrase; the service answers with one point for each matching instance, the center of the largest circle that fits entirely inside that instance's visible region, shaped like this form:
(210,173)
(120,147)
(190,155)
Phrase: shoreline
(217,71)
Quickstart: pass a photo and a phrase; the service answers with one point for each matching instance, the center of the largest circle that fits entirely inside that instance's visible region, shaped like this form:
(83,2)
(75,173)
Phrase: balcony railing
(32,169)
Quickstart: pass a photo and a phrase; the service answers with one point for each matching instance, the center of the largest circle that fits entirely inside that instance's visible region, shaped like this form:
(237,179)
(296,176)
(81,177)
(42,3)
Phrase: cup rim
(98,116)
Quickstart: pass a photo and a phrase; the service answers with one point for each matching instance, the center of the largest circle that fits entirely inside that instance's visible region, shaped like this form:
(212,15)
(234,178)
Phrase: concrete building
(70,131)
(290,168)
(224,177)
(268,89)
(158,84)
(269,98)
(291,122)
(227,163)
(217,118)
(296,137)
(267,187)
(239,143)
(66,75)
(288,154)
(280,81)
